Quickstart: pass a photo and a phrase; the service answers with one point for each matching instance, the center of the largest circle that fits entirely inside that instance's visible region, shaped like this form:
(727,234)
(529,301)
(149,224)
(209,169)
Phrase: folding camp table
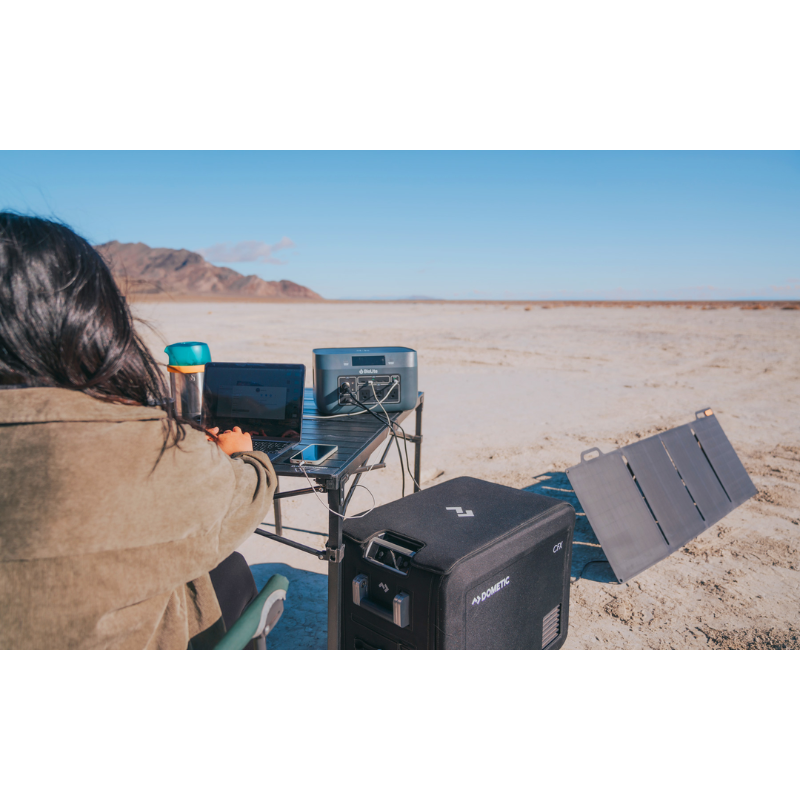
(357,438)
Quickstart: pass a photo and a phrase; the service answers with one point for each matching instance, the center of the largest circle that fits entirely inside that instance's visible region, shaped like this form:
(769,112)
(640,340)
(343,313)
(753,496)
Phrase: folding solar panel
(647,499)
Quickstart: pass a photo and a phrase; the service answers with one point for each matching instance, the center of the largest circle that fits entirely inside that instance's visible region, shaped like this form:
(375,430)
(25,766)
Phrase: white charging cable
(301,464)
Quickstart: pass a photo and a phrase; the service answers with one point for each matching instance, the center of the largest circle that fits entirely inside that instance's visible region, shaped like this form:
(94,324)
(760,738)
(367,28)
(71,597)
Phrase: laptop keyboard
(269,447)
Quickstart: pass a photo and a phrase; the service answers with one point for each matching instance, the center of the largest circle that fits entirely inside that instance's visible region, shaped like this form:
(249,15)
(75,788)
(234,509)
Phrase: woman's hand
(231,442)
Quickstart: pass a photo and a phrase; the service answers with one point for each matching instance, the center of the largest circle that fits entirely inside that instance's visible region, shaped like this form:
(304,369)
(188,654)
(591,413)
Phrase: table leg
(418,446)
(334,543)
(276,504)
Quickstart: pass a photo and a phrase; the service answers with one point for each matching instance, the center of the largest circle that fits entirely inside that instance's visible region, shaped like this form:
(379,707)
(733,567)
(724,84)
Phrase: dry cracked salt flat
(514,396)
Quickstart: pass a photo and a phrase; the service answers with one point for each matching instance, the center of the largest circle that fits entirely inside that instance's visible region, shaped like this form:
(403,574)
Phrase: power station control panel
(386,389)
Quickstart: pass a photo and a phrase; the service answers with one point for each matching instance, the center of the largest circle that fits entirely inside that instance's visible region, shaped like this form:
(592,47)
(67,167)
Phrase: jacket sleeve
(254,487)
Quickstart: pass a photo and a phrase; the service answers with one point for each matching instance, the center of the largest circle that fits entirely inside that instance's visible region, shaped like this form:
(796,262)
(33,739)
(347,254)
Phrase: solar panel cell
(665,492)
(618,514)
(723,458)
(697,474)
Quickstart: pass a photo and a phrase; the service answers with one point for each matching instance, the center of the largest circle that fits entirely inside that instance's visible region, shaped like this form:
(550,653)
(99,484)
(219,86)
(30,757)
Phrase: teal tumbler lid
(188,354)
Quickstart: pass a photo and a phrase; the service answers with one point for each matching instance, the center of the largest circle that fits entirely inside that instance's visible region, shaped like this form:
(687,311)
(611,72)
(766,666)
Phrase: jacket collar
(48,404)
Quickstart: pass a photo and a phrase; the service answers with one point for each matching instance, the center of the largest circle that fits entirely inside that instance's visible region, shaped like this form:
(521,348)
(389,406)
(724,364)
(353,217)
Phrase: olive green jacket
(102,547)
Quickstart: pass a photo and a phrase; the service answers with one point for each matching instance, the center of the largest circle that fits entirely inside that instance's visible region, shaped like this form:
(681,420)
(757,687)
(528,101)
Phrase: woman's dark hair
(65,323)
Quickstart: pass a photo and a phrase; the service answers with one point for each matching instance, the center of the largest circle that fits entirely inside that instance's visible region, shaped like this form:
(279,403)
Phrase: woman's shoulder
(36,404)
(48,428)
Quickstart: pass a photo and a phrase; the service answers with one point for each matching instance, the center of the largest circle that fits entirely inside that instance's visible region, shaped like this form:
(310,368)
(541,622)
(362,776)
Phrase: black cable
(405,447)
(359,403)
(405,444)
(388,424)
(392,433)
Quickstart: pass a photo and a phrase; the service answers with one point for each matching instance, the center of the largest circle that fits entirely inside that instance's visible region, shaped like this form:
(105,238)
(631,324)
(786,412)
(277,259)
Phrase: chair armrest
(255,620)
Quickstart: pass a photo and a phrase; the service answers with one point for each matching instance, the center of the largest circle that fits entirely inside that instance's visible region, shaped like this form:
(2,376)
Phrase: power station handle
(400,614)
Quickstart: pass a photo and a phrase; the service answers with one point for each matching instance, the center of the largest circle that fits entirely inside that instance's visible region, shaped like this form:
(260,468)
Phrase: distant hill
(140,269)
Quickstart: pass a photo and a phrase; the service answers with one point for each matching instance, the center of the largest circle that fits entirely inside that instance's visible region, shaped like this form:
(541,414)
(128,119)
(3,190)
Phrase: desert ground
(514,394)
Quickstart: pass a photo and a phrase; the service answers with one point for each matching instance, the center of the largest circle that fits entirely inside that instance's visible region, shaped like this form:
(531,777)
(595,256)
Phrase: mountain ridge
(141,269)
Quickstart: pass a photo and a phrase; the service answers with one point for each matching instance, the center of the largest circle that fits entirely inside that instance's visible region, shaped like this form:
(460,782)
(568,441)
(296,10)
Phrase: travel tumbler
(186,369)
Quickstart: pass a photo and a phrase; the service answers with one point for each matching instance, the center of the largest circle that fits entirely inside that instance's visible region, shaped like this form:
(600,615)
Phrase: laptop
(264,400)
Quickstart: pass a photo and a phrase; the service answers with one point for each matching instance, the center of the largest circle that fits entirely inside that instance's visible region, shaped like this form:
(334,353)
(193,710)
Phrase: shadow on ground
(304,624)
(588,559)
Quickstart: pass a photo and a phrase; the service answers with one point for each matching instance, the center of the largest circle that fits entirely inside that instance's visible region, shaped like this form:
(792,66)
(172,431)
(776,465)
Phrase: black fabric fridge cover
(474,534)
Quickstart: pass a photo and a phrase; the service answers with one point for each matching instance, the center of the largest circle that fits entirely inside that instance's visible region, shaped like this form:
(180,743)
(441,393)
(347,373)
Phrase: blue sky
(456,225)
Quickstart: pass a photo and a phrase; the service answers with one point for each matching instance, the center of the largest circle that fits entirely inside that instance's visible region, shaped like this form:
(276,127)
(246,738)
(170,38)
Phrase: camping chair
(259,618)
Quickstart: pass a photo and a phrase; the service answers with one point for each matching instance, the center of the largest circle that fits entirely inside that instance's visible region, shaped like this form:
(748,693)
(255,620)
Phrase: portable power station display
(465,565)
(388,372)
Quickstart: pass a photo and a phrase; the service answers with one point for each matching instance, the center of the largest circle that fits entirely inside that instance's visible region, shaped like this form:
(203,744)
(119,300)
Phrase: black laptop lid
(262,399)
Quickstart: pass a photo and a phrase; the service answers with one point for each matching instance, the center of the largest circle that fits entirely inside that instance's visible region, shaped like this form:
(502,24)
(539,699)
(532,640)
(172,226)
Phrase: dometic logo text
(491,590)
(368,372)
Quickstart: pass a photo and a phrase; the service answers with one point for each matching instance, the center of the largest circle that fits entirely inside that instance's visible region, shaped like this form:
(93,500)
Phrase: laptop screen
(262,399)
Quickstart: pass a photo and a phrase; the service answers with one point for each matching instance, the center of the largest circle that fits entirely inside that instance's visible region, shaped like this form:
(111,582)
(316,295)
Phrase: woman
(112,513)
